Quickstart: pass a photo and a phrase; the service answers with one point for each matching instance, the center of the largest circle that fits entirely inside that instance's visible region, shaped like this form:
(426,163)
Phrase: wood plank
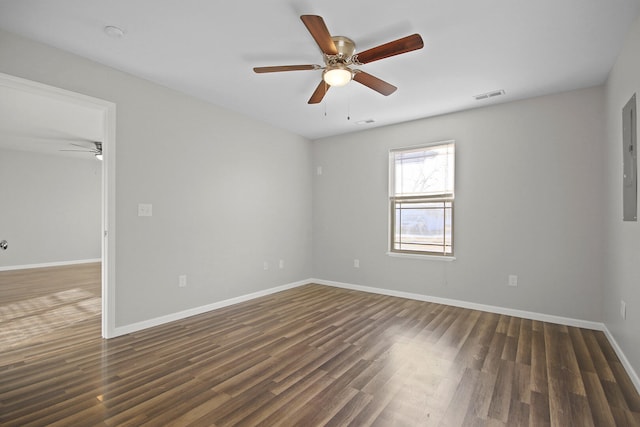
(539,378)
(539,413)
(523,353)
(502,392)
(313,355)
(602,415)
(462,398)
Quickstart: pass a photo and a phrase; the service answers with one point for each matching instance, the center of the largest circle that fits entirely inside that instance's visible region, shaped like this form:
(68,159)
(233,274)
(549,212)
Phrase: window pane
(423,226)
(425,171)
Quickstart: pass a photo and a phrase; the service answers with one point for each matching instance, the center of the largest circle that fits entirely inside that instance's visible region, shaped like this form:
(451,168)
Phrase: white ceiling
(208,49)
(40,123)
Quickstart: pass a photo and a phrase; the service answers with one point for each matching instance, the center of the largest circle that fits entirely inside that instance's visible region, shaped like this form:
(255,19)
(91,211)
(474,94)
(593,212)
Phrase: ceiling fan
(97,151)
(339,57)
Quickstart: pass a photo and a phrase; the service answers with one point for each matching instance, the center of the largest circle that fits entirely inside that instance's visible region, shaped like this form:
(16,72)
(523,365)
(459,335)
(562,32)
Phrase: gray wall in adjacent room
(51,208)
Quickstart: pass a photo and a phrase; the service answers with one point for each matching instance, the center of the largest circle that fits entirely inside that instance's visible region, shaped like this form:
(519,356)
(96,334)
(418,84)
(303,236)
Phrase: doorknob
(4,245)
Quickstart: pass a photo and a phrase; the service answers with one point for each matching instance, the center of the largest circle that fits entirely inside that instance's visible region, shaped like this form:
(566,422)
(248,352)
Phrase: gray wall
(528,202)
(51,208)
(228,192)
(623,238)
(534,198)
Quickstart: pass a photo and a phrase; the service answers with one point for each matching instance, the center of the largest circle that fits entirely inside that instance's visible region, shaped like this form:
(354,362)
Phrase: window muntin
(421,199)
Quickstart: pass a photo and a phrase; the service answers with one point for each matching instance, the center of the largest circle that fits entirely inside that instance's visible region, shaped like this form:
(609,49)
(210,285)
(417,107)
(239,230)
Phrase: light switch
(145,209)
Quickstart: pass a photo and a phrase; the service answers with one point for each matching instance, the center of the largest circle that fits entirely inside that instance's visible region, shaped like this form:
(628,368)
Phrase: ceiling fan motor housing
(339,56)
(337,71)
(345,46)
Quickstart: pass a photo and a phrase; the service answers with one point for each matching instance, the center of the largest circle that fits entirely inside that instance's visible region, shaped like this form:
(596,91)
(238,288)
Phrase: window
(421,199)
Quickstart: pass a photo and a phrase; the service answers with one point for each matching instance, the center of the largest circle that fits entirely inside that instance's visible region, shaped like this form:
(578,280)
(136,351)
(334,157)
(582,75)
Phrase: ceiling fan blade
(84,146)
(396,47)
(279,68)
(318,29)
(374,83)
(319,93)
(85,149)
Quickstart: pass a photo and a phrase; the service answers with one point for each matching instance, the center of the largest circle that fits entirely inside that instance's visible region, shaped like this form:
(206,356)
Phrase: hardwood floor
(36,303)
(310,356)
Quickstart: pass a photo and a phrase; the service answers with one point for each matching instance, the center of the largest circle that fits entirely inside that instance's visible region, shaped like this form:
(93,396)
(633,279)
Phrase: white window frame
(447,198)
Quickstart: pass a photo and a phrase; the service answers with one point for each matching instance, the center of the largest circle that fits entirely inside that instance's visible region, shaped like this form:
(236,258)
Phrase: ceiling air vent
(489,95)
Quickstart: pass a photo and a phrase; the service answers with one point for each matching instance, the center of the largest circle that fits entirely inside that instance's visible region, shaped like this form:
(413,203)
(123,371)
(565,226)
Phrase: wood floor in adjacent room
(310,356)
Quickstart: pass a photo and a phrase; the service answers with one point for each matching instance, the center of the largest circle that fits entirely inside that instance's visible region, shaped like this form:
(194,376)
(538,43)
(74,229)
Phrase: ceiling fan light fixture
(337,75)
(338,54)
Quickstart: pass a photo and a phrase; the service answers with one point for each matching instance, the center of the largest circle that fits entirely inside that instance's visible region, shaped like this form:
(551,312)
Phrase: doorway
(107,112)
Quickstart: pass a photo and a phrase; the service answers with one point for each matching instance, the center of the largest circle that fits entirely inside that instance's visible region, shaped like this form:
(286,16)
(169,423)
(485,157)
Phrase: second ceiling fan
(339,54)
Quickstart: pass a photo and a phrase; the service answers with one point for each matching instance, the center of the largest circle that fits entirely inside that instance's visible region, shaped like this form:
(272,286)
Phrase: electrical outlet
(281,264)
(182,281)
(145,209)
(356,263)
(265,265)
(623,309)
(513,280)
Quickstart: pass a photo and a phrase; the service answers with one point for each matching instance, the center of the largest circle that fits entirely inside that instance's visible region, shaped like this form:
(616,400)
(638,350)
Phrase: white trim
(420,146)
(422,257)
(579,323)
(134,327)
(623,359)
(108,181)
(109,222)
(49,264)
(448,197)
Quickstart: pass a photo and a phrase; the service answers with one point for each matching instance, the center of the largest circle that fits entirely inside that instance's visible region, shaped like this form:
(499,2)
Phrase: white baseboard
(470,305)
(500,310)
(49,264)
(579,323)
(623,359)
(134,327)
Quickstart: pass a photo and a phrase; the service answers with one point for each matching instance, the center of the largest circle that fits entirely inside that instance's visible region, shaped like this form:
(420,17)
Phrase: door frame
(108,111)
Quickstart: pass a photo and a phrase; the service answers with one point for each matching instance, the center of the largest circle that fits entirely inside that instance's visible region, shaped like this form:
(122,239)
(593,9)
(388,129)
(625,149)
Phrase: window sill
(423,257)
